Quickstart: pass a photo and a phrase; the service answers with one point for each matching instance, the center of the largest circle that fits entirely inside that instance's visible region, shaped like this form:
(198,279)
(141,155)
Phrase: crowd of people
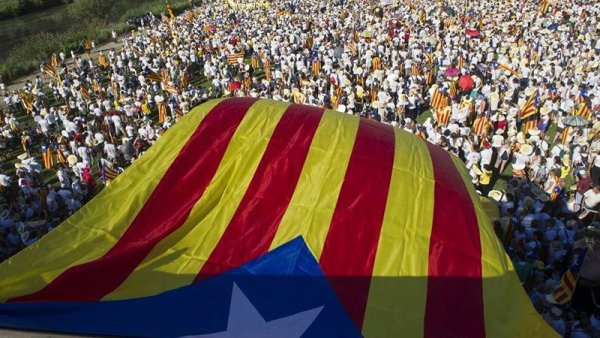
(512,88)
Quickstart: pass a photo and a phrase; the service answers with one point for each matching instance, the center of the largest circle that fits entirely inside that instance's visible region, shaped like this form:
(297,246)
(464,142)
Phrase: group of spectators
(512,88)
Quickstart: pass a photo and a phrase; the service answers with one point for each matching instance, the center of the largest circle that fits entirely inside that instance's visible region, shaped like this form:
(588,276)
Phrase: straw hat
(544,110)
(534,131)
(72,160)
(159,99)
(521,137)
(526,149)
(496,195)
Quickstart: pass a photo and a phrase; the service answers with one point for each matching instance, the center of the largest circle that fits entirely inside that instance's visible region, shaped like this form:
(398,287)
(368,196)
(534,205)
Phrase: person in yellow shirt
(485,179)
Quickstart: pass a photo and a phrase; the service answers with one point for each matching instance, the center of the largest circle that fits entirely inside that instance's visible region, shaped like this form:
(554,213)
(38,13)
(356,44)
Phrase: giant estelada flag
(256,218)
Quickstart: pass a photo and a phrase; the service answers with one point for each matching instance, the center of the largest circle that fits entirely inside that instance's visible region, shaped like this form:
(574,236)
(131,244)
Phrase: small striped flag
(510,70)
(152,76)
(47,157)
(529,122)
(234,57)
(49,70)
(568,282)
(84,91)
(443,115)
(438,100)
(584,110)
(529,108)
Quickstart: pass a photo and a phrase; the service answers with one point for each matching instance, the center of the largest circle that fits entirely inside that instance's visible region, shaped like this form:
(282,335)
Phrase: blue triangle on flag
(282,293)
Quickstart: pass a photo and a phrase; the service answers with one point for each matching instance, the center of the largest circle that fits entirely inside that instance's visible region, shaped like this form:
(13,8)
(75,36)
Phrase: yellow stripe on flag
(177,259)
(315,198)
(400,273)
(501,287)
(91,233)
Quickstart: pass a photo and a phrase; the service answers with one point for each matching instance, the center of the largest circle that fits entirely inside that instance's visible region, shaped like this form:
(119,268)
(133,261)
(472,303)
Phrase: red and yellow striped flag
(543,6)
(414,70)
(153,76)
(49,70)
(528,108)
(47,157)
(442,116)
(584,111)
(392,220)
(376,63)
(438,100)
(84,91)
(510,70)
(233,58)
(461,62)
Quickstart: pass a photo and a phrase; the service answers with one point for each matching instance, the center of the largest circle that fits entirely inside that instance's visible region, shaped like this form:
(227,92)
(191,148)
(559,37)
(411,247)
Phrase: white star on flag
(245,321)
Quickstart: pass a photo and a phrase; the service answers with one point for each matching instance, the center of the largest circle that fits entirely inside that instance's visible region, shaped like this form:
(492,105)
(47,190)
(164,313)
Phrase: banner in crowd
(249,5)
(393,222)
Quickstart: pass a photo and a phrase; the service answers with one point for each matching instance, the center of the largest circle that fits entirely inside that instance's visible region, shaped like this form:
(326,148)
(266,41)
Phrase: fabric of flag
(60,156)
(528,108)
(565,136)
(442,116)
(110,173)
(267,64)
(54,61)
(352,47)
(529,122)
(376,63)
(316,67)
(481,125)
(543,6)
(510,70)
(185,80)
(461,62)
(254,62)
(233,58)
(47,157)
(453,90)
(170,10)
(27,99)
(438,100)
(428,58)
(414,70)
(584,111)
(103,61)
(170,88)
(240,299)
(49,70)
(153,76)
(393,222)
(84,91)
(568,282)
(162,112)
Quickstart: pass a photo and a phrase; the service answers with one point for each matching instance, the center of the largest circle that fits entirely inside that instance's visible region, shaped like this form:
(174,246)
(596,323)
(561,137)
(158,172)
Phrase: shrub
(85,10)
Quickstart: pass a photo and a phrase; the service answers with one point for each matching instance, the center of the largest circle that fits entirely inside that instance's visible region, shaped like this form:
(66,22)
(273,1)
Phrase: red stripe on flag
(255,222)
(166,210)
(351,244)
(568,283)
(454,286)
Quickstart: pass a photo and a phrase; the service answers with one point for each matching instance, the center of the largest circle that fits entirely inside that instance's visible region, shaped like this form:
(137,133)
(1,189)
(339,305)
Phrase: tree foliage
(86,10)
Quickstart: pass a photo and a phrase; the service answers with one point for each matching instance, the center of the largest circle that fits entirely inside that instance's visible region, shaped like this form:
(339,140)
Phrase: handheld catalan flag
(275,220)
